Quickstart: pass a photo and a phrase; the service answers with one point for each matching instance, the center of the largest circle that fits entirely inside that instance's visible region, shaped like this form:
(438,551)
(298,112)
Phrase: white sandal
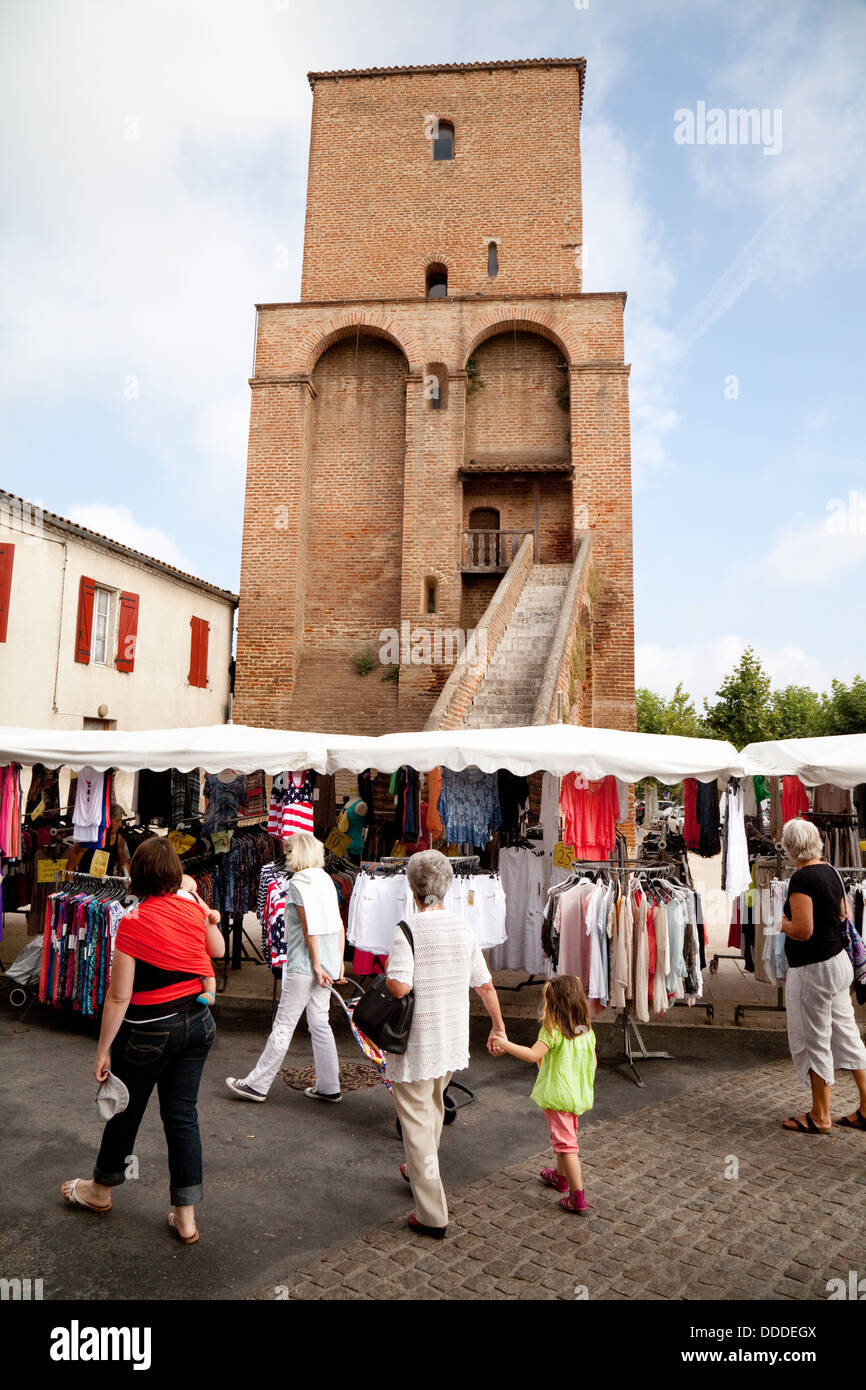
(172,1226)
(73,1198)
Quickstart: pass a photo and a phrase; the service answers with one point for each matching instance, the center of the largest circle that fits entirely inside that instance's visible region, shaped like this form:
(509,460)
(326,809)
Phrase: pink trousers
(563,1131)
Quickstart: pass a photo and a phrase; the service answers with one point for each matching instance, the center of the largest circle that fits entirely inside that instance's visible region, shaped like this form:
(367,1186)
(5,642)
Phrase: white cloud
(702,666)
(118,524)
(820,552)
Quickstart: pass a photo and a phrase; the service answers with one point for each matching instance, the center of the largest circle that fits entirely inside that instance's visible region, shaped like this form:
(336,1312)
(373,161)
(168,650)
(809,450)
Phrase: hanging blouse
(469,806)
(590,811)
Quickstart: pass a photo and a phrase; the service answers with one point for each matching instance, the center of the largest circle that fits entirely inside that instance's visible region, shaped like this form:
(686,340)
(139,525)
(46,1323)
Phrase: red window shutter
(127,632)
(84,627)
(198,652)
(7,555)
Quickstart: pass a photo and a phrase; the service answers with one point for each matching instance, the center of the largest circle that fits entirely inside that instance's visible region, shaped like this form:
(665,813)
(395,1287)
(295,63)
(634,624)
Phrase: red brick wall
(380,209)
(513,499)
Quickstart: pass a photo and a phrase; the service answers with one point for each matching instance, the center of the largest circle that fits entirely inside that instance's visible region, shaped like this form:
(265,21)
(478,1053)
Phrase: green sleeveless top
(567,1073)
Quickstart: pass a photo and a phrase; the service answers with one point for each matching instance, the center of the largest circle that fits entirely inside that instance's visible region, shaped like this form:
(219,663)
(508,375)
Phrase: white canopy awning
(556,748)
(212,747)
(839,760)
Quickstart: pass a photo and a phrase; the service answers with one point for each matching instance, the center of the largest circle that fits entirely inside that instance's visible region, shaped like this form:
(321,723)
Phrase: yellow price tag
(399,851)
(99,863)
(47,869)
(563,855)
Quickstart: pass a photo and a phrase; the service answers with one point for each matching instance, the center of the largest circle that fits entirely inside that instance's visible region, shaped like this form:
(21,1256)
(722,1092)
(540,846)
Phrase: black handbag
(382,1018)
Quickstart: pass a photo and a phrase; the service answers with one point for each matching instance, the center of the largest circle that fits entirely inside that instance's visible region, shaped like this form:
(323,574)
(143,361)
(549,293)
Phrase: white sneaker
(241,1089)
(319,1095)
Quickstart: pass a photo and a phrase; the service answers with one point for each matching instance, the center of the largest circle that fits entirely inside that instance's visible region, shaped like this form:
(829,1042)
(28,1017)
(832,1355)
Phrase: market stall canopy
(839,760)
(556,748)
(213,748)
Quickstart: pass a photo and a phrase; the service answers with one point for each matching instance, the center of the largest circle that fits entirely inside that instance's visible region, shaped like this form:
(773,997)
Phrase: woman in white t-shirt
(447,962)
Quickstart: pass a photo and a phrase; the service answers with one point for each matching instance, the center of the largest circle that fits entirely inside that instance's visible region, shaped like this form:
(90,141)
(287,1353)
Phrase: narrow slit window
(437,282)
(492,259)
(443,141)
(430,595)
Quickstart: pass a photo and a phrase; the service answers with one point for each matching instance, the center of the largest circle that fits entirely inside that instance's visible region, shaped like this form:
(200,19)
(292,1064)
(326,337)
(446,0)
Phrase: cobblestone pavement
(665,1222)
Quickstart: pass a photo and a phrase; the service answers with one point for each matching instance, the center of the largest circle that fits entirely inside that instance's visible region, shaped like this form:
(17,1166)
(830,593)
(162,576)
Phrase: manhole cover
(354,1076)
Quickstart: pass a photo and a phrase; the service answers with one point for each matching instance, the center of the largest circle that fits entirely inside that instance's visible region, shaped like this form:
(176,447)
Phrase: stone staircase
(506,697)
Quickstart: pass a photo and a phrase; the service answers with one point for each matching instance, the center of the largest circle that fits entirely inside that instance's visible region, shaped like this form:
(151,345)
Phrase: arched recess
(517,437)
(523,325)
(356,440)
(357,328)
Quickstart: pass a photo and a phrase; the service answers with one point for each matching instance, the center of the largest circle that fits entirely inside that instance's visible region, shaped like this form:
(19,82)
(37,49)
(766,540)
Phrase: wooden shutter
(198,652)
(84,626)
(127,632)
(7,555)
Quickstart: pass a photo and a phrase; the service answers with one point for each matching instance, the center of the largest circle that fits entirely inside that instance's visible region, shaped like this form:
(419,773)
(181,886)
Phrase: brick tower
(443,418)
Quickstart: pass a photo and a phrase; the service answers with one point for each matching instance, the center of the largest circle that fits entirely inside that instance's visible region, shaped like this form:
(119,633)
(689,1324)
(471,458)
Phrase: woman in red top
(155,1033)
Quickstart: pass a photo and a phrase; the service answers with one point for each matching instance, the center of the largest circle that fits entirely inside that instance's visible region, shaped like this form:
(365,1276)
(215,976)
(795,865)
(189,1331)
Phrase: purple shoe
(551,1178)
(575,1201)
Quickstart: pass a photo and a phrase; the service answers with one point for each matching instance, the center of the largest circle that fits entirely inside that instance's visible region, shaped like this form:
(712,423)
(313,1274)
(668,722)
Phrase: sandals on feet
(551,1178)
(187,1240)
(859,1123)
(72,1197)
(799,1128)
(404,1173)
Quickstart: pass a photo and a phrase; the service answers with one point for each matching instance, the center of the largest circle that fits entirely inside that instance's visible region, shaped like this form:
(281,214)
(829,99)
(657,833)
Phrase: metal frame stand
(630,1031)
(232,927)
(777,1008)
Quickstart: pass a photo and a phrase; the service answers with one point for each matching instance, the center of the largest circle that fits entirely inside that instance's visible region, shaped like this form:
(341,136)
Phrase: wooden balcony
(489,552)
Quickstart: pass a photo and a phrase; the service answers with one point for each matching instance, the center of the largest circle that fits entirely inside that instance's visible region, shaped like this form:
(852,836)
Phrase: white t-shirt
(446,965)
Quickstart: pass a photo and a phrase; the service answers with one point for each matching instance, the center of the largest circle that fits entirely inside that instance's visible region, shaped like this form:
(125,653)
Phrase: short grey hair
(430,876)
(305,851)
(802,840)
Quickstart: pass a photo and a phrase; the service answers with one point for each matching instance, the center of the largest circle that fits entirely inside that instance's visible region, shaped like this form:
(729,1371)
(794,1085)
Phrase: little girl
(189,889)
(565,1054)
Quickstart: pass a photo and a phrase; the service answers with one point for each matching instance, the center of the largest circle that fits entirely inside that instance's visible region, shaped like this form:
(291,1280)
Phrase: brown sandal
(187,1240)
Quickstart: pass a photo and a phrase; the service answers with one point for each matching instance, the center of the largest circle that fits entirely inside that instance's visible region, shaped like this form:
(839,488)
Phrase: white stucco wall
(42,685)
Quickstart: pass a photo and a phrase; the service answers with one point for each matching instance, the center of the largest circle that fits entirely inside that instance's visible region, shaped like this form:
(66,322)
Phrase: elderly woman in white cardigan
(314,960)
(446,963)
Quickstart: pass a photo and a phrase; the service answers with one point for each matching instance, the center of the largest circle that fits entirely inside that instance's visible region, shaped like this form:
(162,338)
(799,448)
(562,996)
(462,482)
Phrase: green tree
(845,708)
(743,712)
(656,715)
(798,712)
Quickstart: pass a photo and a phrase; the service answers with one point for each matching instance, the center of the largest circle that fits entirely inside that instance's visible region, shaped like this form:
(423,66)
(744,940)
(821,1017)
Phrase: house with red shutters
(96,635)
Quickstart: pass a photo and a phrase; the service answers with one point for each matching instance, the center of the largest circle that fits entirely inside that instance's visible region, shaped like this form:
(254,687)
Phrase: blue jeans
(169,1054)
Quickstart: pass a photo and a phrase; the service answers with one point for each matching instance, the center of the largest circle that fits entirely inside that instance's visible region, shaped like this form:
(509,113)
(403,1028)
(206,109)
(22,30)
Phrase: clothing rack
(779,1006)
(632,1040)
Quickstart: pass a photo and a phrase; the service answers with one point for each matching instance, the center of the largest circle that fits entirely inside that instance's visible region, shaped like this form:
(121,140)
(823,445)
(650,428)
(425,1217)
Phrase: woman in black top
(822,1030)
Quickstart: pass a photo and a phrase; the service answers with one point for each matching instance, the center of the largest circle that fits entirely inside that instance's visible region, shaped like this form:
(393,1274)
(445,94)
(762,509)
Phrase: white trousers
(822,1030)
(420,1107)
(299,992)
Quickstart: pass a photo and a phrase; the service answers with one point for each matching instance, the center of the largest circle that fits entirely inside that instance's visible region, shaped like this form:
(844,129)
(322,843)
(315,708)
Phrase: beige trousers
(420,1109)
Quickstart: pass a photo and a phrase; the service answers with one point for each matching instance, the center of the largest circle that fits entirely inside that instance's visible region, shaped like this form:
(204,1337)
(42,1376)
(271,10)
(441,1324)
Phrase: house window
(492,259)
(101,626)
(443,142)
(437,282)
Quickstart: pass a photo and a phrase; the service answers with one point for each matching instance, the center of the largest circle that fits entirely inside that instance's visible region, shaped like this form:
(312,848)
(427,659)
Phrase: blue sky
(153,192)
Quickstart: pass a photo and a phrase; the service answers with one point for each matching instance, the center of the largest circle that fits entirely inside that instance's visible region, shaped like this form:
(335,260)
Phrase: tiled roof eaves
(73,528)
(409,69)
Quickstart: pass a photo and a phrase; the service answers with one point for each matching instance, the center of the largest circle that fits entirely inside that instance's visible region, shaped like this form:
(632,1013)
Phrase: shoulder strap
(407,932)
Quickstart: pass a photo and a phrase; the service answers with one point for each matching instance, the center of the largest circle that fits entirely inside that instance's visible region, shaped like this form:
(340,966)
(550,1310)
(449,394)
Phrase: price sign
(47,869)
(99,863)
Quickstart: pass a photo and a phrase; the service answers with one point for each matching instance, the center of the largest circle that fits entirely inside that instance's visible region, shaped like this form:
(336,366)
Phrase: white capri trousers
(299,992)
(822,1030)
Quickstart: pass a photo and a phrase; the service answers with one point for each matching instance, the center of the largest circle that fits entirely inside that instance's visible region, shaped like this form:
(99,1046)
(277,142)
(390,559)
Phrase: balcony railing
(488,552)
